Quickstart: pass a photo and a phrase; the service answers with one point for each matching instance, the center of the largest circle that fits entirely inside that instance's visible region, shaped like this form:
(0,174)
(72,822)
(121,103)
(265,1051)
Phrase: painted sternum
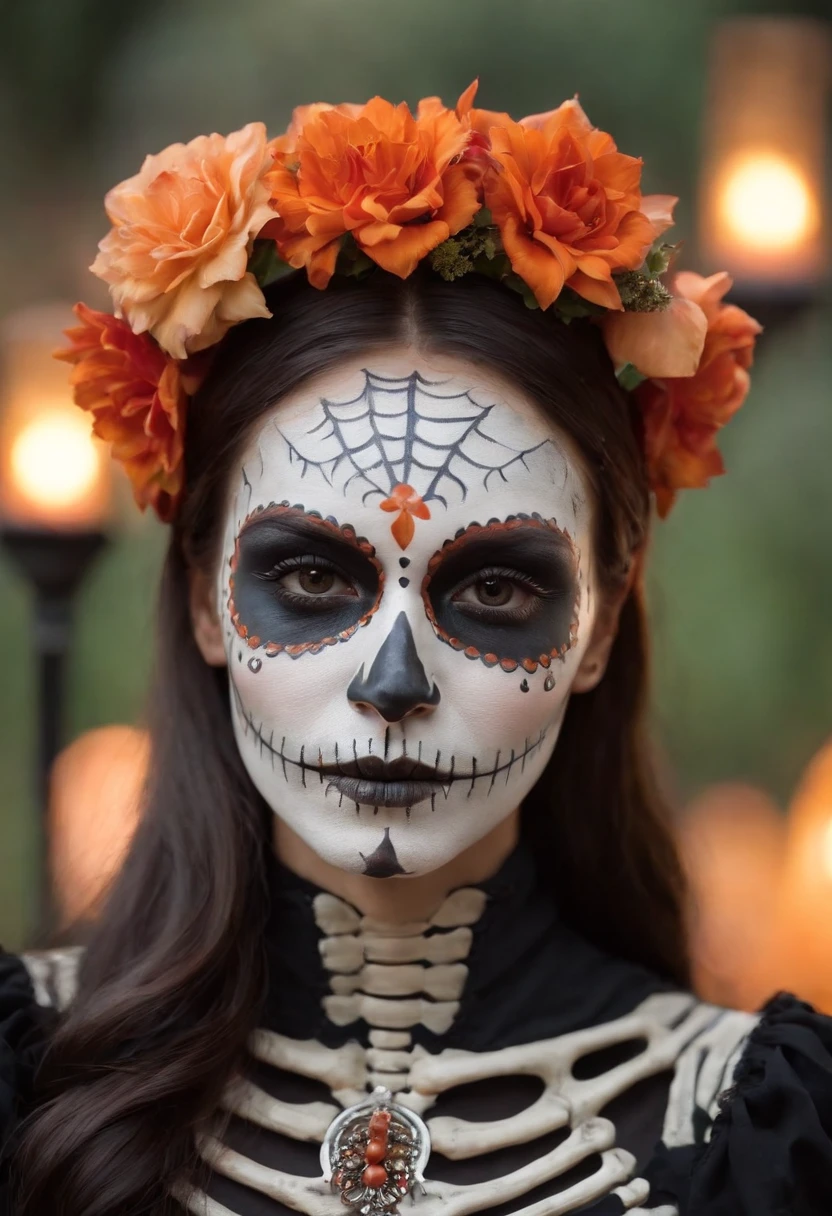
(542,562)
(280,541)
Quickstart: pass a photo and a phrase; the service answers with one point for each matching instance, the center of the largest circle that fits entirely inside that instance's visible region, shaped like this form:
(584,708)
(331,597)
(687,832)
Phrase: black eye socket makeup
(300,581)
(506,592)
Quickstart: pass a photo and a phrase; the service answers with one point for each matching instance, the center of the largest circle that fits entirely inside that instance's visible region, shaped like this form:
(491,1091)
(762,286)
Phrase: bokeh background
(741,575)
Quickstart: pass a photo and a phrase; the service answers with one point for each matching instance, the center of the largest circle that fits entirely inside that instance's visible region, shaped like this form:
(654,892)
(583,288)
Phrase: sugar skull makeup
(406,589)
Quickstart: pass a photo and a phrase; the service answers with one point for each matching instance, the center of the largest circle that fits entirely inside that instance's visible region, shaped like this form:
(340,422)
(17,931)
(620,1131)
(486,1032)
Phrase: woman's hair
(174,975)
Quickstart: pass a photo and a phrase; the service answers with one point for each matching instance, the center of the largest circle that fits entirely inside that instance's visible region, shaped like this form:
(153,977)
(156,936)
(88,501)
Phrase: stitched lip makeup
(371,781)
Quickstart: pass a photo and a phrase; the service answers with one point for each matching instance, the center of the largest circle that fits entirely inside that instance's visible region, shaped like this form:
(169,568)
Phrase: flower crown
(548,206)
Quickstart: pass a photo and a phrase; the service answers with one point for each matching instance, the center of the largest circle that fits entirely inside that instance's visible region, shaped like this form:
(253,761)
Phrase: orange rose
(668,342)
(683,415)
(285,146)
(136,397)
(392,180)
(182,232)
(569,205)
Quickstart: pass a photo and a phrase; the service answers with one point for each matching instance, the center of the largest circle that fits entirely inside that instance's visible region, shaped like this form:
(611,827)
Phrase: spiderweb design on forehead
(408,444)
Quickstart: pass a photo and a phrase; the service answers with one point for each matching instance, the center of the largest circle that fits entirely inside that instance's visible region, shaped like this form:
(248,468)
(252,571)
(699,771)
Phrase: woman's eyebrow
(520,536)
(284,522)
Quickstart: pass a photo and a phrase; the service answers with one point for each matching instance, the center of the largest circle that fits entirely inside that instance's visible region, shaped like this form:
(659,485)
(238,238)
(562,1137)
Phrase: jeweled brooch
(374,1154)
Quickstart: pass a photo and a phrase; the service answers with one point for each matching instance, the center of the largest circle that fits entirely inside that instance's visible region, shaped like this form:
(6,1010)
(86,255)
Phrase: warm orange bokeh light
(54,461)
(95,796)
(761,214)
(804,914)
(767,204)
(53,473)
(732,839)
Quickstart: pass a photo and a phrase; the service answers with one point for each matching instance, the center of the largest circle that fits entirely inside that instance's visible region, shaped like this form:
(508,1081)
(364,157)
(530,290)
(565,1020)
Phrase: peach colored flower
(394,181)
(138,403)
(682,415)
(569,205)
(667,342)
(284,147)
(409,505)
(182,232)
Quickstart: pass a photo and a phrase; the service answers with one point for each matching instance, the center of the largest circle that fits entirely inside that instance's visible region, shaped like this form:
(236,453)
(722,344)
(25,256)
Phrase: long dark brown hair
(173,978)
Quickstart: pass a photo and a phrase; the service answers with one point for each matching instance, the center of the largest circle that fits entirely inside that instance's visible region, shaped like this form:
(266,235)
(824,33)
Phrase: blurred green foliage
(741,580)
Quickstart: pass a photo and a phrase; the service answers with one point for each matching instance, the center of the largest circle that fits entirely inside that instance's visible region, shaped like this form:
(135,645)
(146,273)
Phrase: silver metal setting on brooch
(375,1153)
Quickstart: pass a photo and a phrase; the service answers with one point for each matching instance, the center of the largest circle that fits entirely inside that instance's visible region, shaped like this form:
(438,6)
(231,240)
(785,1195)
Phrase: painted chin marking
(383,862)
(384,793)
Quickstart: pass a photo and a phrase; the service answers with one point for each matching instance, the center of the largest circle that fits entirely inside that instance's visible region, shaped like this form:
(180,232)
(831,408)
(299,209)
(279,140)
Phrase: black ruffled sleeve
(770,1148)
(23,1029)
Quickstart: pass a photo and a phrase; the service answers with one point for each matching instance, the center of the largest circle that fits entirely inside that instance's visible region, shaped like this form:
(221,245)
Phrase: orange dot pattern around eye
(463,537)
(343,532)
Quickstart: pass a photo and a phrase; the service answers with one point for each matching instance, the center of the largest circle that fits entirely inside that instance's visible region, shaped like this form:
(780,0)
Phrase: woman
(402,922)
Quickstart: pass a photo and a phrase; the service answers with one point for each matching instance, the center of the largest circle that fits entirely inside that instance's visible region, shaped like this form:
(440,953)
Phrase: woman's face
(408,600)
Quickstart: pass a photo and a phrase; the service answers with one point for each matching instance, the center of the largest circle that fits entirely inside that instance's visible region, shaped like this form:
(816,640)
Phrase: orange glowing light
(54,461)
(767,204)
(761,214)
(94,807)
(53,473)
(826,850)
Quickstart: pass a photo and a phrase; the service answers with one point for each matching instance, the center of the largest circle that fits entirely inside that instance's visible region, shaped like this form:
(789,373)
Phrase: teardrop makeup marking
(524,686)
(549,683)
(254,664)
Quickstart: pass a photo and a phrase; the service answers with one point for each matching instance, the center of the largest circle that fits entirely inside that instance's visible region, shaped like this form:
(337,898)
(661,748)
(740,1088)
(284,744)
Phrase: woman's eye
(315,581)
(493,591)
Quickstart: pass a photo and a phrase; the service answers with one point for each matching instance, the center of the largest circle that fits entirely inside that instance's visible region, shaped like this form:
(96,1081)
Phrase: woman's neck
(399,899)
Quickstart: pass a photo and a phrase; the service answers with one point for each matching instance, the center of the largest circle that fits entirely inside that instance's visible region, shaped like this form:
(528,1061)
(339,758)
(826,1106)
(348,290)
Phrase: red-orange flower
(136,397)
(394,181)
(409,504)
(569,205)
(683,415)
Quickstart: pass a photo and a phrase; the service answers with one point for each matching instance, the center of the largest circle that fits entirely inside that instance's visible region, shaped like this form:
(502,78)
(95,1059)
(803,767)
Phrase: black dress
(553,1078)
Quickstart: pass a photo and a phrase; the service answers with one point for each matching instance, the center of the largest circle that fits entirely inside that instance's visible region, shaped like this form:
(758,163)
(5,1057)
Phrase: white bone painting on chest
(397,978)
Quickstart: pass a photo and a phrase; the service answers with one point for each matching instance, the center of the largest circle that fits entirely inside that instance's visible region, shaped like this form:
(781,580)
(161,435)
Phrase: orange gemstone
(374,1176)
(375,1151)
(379,1123)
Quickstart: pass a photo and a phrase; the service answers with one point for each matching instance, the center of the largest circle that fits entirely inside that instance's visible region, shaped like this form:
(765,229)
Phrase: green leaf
(265,263)
(352,261)
(629,377)
(483,218)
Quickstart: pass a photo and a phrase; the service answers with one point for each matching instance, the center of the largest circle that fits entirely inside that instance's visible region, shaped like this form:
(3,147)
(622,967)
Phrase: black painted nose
(397,683)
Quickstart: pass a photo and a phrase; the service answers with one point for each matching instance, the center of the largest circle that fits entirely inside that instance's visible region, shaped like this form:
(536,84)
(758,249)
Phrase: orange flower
(569,205)
(667,342)
(683,415)
(135,394)
(284,147)
(394,181)
(182,231)
(408,503)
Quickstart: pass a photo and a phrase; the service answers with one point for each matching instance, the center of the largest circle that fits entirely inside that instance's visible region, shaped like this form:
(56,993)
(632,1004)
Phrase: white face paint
(407,594)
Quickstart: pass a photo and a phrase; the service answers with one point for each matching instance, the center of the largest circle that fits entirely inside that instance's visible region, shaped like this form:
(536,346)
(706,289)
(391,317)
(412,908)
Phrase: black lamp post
(54,564)
(54,494)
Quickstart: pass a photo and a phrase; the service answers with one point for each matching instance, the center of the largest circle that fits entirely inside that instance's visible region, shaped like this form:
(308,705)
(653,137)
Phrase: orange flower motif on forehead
(569,206)
(409,505)
(136,396)
(394,182)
